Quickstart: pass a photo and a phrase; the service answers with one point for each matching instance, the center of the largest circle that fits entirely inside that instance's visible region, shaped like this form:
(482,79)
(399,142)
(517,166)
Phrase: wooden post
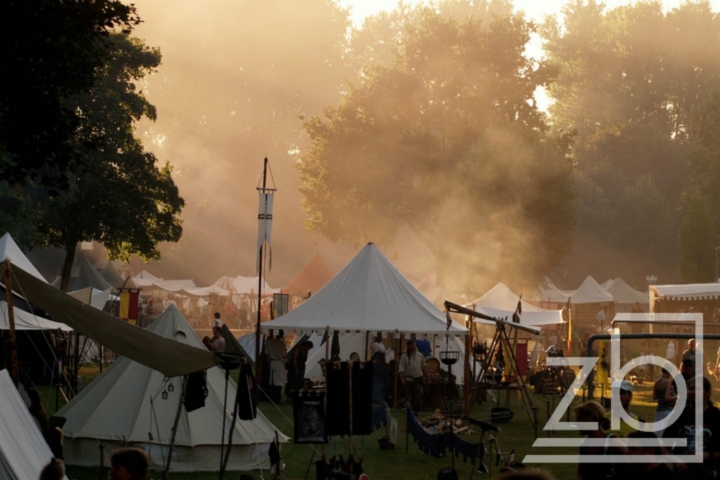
(14,369)
(466,380)
(398,354)
(175,427)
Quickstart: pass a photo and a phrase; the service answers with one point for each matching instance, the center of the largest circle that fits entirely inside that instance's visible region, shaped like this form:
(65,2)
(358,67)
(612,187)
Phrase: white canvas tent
(685,293)
(369,294)
(625,296)
(27,321)
(124,406)
(9,250)
(501,302)
(591,292)
(23,451)
(349,343)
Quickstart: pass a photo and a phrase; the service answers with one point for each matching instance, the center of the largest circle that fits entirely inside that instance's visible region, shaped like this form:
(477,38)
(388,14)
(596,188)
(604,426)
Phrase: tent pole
(468,345)
(397,364)
(14,369)
(259,308)
(175,427)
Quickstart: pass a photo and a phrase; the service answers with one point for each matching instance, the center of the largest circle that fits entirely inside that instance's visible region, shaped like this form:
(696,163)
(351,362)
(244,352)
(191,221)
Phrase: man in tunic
(277,354)
(412,371)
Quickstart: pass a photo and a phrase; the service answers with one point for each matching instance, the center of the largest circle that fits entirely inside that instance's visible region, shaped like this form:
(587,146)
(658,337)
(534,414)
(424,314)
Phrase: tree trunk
(67,267)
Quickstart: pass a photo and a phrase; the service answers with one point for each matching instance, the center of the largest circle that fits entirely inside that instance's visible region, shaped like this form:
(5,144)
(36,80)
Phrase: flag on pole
(518,311)
(265,225)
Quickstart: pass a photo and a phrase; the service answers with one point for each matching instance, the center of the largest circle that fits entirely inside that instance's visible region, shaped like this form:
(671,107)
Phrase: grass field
(406,461)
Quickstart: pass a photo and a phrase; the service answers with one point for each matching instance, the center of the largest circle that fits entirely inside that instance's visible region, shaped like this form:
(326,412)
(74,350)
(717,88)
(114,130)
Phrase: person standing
(218,320)
(689,354)
(412,371)
(665,396)
(686,427)
(654,468)
(277,355)
(296,368)
(217,344)
(378,346)
(593,412)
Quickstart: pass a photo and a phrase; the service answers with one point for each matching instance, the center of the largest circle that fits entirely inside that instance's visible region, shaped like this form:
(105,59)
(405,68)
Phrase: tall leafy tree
(446,140)
(118,195)
(49,51)
(631,79)
(699,240)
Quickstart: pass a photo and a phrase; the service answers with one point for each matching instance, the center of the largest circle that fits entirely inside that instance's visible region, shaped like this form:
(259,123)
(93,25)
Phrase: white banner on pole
(265,209)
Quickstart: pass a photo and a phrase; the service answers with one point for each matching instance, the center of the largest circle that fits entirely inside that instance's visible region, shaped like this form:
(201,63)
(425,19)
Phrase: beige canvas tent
(124,406)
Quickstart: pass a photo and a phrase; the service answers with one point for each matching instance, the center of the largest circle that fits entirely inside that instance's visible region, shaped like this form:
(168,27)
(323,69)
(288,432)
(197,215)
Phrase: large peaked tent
(369,294)
(591,292)
(23,451)
(124,406)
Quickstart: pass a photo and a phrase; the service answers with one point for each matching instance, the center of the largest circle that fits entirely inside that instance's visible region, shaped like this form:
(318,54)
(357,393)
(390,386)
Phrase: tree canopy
(50,52)
(117,193)
(446,139)
(631,81)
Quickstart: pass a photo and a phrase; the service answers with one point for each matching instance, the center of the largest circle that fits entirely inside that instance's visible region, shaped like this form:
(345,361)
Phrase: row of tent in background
(613,296)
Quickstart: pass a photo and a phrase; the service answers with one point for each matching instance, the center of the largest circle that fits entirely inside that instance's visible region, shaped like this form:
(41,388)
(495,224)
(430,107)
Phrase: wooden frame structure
(501,340)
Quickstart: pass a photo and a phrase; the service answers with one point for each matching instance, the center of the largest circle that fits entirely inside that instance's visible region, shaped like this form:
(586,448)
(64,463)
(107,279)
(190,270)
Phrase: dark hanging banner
(309,416)
(338,392)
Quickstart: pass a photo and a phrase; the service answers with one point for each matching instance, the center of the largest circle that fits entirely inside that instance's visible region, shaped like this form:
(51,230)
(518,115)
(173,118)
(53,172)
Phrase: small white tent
(23,451)
(591,292)
(625,296)
(123,406)
(501,302)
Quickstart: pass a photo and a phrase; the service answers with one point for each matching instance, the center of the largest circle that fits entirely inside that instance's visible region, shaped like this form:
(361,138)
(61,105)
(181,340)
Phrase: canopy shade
(83,275)
(27,321)
(162,354)
(369,294)
(501,302)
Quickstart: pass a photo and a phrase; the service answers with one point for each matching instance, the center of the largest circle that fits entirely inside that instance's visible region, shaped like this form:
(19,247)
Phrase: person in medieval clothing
(296,368)
(277,355)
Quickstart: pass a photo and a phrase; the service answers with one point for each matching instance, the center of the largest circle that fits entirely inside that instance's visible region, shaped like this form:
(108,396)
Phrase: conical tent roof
(312,277)
(84,275)
(591,292)
(10,250)
(624,293)
(124,404)
(369,294)
(501,297)
(113,277)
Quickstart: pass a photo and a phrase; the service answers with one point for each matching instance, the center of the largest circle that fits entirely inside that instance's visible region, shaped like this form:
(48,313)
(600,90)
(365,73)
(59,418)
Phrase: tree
(701,208)
(698,242)
(446,140)
(117,194)
(630,82)
(50,51)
